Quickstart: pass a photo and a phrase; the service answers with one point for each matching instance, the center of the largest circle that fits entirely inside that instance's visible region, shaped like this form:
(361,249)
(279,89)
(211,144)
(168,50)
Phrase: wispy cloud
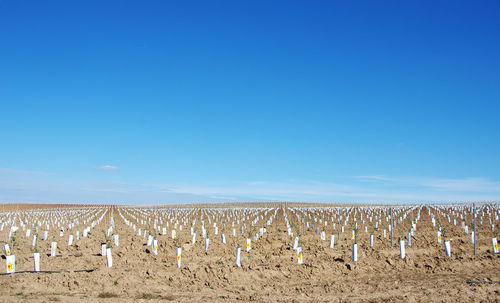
(375,178)
(380,188)
(292,190)
(466,184)
(20,185)
(108,167)
(22,171)
(471,184)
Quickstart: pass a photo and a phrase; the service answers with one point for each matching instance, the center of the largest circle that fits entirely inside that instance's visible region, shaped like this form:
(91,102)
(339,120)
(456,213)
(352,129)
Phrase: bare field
(269,272)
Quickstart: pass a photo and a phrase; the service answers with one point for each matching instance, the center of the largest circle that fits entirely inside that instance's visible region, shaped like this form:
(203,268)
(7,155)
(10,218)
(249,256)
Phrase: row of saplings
(106,245)
(10,257)
(153,242)
(441,238)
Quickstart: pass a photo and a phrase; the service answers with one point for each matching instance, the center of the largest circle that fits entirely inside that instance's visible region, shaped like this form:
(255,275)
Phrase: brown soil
(269,272)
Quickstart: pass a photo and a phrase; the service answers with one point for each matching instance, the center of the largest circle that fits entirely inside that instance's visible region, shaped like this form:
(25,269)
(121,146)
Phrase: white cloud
(379,189)
(475,184)
(375,178)
(22,172)
(287,190)
(108,167)
(466,184)
(16,185)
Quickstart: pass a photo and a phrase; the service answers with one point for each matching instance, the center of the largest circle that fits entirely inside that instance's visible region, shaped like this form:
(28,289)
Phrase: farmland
(161,253)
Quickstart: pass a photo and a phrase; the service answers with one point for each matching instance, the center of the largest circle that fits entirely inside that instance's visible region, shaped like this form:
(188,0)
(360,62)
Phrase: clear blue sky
(188,101)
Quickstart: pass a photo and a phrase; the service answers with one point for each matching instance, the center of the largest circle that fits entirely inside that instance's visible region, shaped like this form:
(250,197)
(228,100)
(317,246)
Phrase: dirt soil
(269,272)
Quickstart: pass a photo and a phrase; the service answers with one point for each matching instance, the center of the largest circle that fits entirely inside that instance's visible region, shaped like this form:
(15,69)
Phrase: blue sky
(191,101)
